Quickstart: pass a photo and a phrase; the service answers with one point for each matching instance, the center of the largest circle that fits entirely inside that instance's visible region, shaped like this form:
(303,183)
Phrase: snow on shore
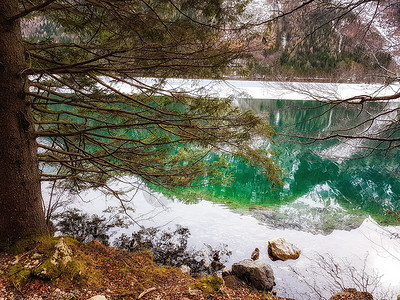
(269,89)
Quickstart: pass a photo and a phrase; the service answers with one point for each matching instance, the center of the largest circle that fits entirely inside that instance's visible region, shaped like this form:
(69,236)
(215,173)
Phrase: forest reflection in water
(330,184)
(323,193)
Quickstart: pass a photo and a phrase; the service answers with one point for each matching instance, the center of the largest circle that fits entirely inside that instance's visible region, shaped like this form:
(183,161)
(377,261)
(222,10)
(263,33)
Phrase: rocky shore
(63,268)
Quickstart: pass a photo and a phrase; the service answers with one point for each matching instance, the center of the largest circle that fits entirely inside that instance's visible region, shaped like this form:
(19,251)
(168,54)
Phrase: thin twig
(146,292)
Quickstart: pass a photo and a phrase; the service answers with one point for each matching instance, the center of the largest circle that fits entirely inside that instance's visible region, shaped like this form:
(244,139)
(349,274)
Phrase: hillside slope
(332,40)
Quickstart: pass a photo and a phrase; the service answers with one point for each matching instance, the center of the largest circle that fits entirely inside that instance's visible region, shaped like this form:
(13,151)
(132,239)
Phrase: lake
(333,204)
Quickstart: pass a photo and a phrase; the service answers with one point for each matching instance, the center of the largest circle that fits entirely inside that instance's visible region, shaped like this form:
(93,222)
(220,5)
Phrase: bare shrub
(327,276)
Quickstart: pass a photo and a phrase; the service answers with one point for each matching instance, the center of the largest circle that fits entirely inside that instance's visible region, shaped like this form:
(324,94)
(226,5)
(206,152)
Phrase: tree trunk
(21,212)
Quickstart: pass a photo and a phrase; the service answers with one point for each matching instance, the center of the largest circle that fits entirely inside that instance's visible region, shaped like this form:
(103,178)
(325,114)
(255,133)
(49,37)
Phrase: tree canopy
(93,131)
(63,98)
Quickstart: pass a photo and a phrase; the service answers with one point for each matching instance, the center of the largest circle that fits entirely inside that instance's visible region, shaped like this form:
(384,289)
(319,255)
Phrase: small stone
(256,254)
(185,269)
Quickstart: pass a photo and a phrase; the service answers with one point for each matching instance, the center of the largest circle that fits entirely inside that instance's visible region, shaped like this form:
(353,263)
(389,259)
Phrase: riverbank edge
(63,268)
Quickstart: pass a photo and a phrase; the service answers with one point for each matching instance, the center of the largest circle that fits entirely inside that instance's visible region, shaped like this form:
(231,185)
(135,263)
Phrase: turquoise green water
(331,180)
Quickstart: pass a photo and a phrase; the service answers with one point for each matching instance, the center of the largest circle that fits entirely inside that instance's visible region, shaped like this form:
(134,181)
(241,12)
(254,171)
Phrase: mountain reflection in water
(327,185)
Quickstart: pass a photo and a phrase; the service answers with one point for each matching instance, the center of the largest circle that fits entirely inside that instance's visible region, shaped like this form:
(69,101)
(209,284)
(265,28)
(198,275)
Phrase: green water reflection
(320,178)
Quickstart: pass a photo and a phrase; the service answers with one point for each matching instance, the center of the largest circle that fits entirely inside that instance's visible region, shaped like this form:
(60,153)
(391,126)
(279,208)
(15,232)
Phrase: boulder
(280,249)
(53,267)
(352,294)
(257,273)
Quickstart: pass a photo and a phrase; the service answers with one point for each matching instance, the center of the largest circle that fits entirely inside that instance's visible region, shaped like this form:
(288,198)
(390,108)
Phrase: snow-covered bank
(270,89)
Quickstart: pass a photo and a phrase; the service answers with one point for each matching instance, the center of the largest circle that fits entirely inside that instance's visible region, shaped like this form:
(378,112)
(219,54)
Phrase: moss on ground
(27,243)
(60,258)
(208,285)
(62,268)
(19,275)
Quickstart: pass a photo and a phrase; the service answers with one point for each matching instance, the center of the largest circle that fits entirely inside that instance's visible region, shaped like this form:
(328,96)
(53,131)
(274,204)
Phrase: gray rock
(257,273)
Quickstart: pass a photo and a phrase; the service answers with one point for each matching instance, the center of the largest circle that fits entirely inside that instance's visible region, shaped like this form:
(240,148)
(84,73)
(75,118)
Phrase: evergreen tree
(61,103)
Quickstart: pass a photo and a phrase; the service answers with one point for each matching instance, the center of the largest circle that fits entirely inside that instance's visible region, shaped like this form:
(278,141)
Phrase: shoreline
(269,90)
(366,247)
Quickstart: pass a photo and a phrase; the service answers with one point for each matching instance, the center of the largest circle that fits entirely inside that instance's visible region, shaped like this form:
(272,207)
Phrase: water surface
(332,184)
(334,194)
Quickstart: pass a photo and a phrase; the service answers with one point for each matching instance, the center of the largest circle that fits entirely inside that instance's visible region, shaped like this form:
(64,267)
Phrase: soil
(113,273)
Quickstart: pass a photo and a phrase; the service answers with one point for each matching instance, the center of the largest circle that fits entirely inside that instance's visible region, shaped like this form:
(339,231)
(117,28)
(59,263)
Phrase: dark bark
(21,212)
